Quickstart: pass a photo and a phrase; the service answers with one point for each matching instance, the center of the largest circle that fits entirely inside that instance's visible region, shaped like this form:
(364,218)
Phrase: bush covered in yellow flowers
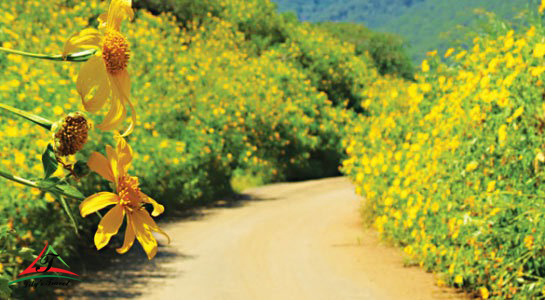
(219,88)
(453,165)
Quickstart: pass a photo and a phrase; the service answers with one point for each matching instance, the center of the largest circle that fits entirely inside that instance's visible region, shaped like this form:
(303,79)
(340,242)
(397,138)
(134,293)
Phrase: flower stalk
(81,56)
(18,179)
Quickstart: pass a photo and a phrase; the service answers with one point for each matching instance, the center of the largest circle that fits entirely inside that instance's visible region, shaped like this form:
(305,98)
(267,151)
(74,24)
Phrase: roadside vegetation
(449,155)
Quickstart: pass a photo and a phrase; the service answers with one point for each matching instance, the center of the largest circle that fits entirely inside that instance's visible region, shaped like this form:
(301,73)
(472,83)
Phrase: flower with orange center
(104,76)
(128,200)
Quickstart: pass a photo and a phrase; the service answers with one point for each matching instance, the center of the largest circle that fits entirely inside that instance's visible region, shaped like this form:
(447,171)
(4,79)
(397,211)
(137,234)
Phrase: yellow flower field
(452,164)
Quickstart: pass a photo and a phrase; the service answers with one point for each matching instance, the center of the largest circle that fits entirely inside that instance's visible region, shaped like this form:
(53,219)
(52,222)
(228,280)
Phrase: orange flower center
(115,51)
(129,191)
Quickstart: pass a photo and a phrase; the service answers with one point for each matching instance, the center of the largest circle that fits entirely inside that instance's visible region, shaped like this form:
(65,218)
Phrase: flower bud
(81,169)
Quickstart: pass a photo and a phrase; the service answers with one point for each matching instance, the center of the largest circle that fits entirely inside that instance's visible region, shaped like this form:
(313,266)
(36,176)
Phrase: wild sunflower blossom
(104,76)
(128,200)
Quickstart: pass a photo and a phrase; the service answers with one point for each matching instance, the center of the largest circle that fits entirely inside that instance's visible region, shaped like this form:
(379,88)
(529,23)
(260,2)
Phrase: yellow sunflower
(104,76)
(128,200)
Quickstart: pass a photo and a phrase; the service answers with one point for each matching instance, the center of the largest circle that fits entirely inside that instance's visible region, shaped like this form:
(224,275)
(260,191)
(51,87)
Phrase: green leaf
(68,212)
(45,123)
(48,183)
(70,191)
(5,291)
(49,161)
(58,187)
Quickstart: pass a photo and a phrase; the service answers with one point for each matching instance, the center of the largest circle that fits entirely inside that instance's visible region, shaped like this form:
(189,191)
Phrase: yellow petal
(125,154)
(99,164)
(143,234)
(89,38)
(129,236)
(112,157)
(133,120)
(93,76)
(97,202)
(157,208)
(108,226)
(119,10)
(150,224)
(121,83)
(115,116)
(111,154)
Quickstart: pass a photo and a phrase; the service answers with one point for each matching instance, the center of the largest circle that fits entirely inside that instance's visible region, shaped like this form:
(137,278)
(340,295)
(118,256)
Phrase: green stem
(45,123)
(516,194)
(18,179)
(33,184)
(74,57)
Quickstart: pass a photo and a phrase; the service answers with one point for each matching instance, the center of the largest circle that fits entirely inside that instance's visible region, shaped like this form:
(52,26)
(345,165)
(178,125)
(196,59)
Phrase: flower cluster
(103,80)
(451,165)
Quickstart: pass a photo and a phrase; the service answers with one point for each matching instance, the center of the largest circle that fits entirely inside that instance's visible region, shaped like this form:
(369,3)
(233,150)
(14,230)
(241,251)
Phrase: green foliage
(242,180)
(258,19)
(387,51)
(5,291)
(184,10)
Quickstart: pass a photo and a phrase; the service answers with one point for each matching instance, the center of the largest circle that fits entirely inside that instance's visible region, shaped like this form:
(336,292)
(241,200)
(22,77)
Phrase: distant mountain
(371,12)
(425,24)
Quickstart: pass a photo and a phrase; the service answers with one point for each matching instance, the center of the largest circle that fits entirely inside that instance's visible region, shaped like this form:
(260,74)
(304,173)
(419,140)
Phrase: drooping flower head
(104,76)
(129,201)
(70,134)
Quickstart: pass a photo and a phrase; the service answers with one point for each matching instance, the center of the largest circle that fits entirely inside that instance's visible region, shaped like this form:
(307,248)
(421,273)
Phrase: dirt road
(292,241)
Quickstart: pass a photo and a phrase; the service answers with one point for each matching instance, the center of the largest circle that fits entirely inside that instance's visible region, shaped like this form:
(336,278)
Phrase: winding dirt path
(291,241)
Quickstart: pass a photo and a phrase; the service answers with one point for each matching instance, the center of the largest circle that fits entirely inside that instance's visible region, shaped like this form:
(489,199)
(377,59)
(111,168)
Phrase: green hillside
(435,24)
(425,24)
(371,12)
